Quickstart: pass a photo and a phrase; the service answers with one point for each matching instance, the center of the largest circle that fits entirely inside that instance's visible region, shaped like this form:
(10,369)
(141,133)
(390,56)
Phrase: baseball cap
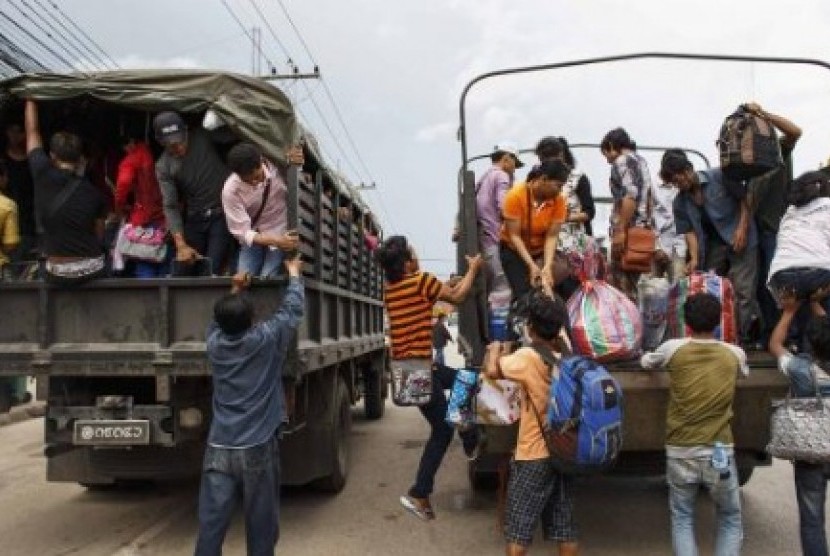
(510,148)
(169,128)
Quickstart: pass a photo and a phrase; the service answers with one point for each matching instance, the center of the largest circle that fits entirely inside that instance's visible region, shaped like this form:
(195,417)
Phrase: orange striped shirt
(409,306)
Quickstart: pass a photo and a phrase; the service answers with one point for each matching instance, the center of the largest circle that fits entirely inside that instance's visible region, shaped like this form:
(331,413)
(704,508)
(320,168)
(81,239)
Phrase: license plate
(111,433)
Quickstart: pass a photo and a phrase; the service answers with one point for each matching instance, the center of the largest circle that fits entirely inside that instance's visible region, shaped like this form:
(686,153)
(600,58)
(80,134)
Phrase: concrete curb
(20,413)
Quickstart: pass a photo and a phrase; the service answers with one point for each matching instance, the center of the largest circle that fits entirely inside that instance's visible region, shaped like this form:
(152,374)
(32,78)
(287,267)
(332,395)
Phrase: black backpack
(748,146)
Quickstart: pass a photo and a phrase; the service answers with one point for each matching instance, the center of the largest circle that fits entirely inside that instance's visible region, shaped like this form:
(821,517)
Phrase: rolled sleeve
(236,215)
(169,194)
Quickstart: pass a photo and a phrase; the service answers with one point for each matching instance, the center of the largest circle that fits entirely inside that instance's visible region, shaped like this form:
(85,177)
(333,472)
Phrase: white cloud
(435,132)
(137,61)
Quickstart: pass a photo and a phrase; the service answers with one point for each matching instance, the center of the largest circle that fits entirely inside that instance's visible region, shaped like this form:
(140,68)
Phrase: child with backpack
(699,445)
(536,490)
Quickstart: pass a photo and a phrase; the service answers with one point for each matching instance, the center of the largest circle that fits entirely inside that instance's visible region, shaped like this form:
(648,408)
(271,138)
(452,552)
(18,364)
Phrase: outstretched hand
(240,281)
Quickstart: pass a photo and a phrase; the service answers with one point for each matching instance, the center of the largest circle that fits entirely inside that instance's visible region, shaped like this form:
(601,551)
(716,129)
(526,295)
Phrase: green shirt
(703,374)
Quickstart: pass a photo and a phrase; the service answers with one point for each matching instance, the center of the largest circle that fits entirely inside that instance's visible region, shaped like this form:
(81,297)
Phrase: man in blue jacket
(242,457)
(721,235)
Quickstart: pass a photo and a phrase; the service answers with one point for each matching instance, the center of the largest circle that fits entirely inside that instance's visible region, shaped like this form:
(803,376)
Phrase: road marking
(134,547)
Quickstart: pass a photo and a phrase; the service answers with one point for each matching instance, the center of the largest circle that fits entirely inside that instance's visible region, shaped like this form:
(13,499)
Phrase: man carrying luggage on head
(767,202)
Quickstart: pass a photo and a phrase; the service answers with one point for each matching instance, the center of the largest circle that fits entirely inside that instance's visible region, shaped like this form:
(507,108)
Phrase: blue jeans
(253,473)
(810,479)
(685,477)
(435,412)
(260,260)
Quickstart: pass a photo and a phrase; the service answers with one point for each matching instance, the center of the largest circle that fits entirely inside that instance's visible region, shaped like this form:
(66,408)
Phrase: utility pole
(256,51)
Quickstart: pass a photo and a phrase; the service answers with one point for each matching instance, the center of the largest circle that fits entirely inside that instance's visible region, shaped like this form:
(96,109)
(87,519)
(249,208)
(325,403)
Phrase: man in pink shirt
(254,203)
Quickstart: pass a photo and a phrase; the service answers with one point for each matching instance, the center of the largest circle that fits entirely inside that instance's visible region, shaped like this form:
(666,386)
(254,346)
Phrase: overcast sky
(397,68)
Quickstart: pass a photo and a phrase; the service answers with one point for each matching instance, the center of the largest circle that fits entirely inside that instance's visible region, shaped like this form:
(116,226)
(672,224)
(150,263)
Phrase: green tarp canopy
(252,109)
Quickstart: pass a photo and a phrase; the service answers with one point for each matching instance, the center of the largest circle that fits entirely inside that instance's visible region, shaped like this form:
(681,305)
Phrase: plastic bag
(703,282)
(605,324)
(653,299)
(497,402)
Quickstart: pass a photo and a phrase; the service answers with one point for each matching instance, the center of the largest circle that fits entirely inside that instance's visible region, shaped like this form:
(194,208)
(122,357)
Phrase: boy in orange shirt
(536,491)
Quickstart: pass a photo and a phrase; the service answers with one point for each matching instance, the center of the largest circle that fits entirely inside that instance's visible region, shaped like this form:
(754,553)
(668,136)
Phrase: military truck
(121,362)
(645,392)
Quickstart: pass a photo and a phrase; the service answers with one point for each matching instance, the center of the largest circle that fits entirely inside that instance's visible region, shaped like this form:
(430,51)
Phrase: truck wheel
(745,473)
(339,442)
(374,400)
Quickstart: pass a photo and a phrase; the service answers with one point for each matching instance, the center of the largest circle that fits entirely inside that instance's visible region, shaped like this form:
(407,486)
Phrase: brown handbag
(640,245)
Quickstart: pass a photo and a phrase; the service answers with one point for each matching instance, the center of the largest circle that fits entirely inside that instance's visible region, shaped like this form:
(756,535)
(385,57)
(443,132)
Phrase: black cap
(169,128)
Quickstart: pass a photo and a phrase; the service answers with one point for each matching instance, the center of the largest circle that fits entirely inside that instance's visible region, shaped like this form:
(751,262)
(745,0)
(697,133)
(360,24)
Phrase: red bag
(703,282)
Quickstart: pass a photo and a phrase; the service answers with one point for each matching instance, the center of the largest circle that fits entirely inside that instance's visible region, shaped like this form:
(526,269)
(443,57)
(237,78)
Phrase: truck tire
(339,442)
(745,472)
(374,400)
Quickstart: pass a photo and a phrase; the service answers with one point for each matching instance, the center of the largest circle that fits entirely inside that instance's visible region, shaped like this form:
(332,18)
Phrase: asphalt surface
(617,515)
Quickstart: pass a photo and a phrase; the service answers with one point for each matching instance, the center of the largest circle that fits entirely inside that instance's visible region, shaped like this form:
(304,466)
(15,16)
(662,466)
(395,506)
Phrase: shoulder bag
(640,244)
(800,427)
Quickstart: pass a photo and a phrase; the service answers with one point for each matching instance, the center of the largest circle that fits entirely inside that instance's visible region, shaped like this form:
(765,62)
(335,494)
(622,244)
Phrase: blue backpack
(583,429)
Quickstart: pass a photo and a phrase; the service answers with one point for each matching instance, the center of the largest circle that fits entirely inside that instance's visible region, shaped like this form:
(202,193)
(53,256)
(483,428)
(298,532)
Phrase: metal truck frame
(122,351)
(645,392)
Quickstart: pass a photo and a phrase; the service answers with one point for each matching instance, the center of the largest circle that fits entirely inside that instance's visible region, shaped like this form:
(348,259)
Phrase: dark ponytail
(392,256)
(567,155)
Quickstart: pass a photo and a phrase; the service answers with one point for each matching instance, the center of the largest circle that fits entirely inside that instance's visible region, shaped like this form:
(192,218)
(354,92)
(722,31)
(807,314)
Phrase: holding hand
(789,301)
(474,262)
(240,281)
(289,241)
(294,266)
(295,155)
(186,254)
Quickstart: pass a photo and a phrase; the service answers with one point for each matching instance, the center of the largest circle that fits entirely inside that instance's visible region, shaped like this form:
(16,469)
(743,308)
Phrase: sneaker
(419,507)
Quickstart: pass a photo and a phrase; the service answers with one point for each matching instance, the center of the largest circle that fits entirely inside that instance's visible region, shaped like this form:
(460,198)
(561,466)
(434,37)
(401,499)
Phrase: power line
(329,94)
(84,33)
(38,41)
(44,31)
(86,51)
(247,33)
(272,32)
(18,59)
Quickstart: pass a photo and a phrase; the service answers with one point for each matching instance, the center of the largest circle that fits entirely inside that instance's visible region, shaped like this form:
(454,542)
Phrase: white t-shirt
(804,237)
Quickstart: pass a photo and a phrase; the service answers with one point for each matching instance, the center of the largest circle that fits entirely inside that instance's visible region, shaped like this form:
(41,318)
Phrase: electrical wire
(44,31)
(247,33)
(327,89)
(84,34)
(86,52)
(45,47)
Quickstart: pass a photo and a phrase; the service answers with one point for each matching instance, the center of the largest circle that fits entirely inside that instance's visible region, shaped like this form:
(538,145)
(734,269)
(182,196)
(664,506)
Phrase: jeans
(810,479)
(685,477)
(259,260)
(210,238)
(498,287)
(766,302)
(441,433)
(742,269)
(253,473)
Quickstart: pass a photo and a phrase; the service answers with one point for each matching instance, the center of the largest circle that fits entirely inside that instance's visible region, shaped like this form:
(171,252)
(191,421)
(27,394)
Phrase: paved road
(618,516)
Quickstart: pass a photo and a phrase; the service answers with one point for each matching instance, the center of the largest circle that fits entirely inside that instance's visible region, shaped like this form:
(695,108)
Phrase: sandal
(419,507)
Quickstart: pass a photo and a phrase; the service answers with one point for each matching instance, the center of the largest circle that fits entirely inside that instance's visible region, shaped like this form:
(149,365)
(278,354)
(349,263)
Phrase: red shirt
(137,175)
